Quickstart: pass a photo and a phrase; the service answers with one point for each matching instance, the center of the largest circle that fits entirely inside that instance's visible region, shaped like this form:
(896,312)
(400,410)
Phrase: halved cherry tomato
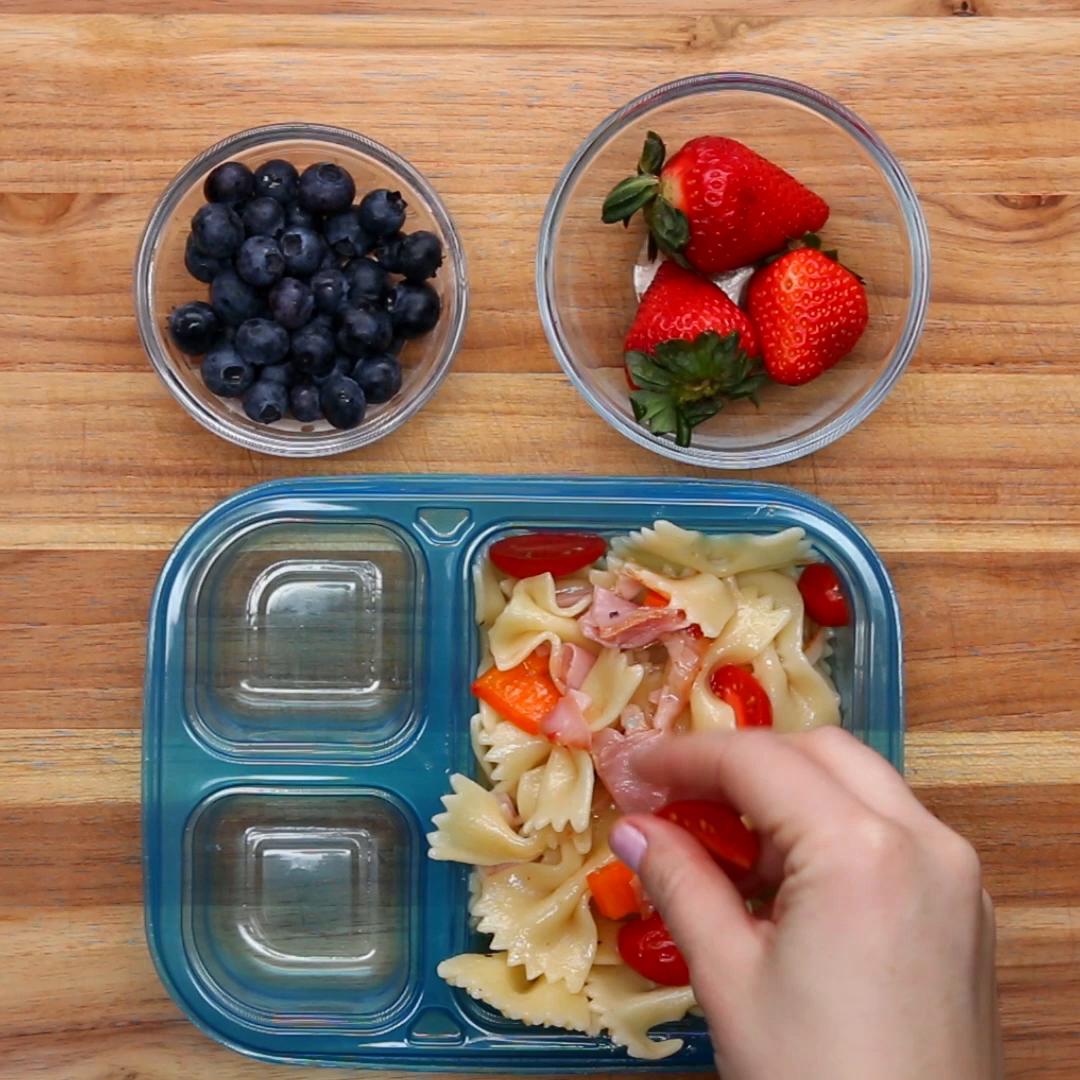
(554,553)
(744,694)
(613,892)
(647,946)
(823,595)
(719,830)
(652,598)
(695,631)
(524,695)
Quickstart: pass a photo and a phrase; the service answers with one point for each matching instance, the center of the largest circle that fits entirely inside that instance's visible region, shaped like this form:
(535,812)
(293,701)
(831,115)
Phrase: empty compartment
(305,636)
(301,907)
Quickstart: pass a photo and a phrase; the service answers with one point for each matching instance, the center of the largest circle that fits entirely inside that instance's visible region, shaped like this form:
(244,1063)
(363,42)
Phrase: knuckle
(878,843)
(960,861)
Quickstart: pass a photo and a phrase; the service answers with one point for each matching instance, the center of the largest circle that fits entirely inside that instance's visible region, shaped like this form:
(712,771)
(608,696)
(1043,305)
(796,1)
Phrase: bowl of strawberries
(733,269)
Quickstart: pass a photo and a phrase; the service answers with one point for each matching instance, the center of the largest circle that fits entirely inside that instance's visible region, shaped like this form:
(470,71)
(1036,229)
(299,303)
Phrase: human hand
(877,960)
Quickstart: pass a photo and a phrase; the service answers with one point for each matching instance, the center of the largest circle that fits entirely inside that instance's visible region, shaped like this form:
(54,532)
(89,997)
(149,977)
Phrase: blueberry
(230,182)
(379,377)
(326,188)
(262,341)
(364,331)
(263,217)
(303,250)
(344,235)
(279,373)
(225,373)
(368,282)
(199,266)
(194,327)
(343,365)
(342,402)
(260,261)
(217,229)
(278,180)
(297,217)
(331,290)
(381,212)
(414,309)
(304,401)
(266,402)
(396,346)
(234,300)
(419,255)
(388,252)
(313,350)
(291,303)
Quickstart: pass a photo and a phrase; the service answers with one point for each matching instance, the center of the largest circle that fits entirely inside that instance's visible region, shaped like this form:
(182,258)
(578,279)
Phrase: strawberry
(715,205)
(689,350)
(809,312)
(679,304)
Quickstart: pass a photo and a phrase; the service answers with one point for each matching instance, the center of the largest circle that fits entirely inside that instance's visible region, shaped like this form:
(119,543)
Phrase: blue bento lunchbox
(310,653)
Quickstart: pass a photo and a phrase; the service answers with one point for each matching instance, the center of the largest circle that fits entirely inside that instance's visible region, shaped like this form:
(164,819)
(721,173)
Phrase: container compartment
(302,905)
(303,637)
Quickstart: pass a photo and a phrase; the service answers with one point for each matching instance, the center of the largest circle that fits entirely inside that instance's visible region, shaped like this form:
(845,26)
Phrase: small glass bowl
(162,282)
(585,270)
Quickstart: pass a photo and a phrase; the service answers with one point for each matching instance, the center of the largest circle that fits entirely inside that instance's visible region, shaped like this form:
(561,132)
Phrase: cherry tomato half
(823,596)
(719,830)
(647,946)
(552,553)
(744,694)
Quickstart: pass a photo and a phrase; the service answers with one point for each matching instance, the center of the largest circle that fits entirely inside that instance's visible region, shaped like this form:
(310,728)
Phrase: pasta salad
(591,650)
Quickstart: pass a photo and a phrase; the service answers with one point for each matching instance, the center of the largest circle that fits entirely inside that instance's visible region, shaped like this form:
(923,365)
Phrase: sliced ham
(570,664)
(568,595)
(633,718)
(612,754)
(566,724)
(684,663)
(619,623)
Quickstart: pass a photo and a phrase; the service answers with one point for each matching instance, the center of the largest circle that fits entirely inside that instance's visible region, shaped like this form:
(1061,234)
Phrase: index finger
(787,795)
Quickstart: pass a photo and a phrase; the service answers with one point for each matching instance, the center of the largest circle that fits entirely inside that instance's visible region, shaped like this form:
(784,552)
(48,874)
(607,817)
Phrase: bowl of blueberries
(301,290)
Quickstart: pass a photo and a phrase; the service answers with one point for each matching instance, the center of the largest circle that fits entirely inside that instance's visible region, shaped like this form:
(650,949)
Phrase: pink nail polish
(629,843)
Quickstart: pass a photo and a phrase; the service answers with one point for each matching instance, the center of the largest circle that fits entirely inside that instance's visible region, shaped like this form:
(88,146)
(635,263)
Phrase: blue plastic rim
(290,907)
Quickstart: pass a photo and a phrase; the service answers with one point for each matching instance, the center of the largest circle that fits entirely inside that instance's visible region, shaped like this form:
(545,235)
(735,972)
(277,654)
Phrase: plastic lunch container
(307,696)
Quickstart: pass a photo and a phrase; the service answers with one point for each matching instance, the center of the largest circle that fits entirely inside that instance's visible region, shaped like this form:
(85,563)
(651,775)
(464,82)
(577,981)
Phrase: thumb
(698,903)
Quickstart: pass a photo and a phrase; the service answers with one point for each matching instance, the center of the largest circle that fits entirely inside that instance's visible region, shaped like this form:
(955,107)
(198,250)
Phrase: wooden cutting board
(968,479)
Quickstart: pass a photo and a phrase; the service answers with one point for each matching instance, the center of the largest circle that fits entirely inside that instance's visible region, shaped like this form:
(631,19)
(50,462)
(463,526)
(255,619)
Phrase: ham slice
(621,624)
(566,724)
(684,663)
(612,754)
(570,664)
(567,596)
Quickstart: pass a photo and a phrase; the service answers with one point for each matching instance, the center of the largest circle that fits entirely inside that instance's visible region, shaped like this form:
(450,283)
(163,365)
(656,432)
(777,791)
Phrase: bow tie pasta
(579,663)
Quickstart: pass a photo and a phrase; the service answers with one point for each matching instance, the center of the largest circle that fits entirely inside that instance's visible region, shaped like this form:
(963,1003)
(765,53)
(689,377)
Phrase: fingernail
(629,843)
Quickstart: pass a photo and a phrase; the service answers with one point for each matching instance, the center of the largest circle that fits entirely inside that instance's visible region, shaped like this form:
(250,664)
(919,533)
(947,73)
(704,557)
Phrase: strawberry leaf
(685,383)
(656,411)
(669,226)
(646,373)
(652,154)
(627,197)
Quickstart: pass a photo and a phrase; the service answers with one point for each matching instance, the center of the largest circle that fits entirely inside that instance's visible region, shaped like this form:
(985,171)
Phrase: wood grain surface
(968,479)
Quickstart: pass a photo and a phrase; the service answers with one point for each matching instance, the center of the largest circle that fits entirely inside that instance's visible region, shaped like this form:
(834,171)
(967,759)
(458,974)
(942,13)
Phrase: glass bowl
(162,282)
(585,271)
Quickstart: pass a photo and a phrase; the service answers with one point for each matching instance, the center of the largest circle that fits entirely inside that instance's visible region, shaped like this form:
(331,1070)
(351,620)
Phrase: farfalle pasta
(580,662)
